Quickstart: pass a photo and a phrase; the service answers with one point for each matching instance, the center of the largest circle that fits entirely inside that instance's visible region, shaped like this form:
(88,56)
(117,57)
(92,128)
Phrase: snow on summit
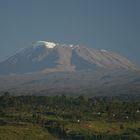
(102,50)
(44,43)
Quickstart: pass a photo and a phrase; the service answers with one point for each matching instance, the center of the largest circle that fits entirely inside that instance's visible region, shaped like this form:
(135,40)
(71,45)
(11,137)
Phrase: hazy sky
(102,24)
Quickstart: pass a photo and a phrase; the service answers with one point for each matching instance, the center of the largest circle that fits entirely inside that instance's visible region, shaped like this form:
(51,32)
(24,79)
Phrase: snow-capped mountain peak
(41,57)
(44,43)
(102,50)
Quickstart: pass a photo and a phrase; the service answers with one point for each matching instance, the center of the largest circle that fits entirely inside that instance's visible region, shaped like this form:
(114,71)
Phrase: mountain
(53,57)
(48,68)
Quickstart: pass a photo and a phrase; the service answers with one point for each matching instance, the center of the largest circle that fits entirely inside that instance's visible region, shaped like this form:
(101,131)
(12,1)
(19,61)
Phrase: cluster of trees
(53,112)
(121,108)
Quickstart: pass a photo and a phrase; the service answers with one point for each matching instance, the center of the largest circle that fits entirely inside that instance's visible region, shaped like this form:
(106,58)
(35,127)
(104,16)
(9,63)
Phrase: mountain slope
(50,57)
(48,68)
(88,83)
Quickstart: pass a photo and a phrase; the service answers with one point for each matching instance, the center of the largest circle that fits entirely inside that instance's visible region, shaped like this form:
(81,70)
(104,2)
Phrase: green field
(83,129)
(25,132)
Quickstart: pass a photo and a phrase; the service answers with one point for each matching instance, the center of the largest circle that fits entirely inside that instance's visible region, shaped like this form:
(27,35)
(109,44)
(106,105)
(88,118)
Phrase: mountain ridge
(53,57)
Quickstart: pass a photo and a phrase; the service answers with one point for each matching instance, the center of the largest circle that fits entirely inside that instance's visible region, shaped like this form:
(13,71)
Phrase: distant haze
(103,24)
